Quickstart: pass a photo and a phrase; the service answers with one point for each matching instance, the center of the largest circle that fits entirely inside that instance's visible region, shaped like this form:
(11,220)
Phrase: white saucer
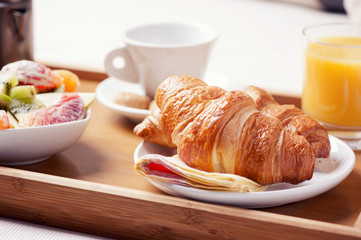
(276,194)
(108,88)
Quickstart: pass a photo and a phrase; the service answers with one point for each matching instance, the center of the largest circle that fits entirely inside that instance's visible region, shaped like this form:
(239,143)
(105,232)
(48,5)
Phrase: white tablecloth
(17,230)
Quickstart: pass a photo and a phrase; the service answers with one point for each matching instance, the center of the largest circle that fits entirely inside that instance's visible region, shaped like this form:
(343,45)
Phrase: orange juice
(332,84)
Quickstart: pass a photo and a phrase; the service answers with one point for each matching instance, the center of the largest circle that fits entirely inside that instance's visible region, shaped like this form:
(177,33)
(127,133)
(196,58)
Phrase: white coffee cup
(155,51)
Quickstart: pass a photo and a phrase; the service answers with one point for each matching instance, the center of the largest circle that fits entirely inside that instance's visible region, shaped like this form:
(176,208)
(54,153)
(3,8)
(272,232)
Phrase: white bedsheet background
(260,42)
(353,9)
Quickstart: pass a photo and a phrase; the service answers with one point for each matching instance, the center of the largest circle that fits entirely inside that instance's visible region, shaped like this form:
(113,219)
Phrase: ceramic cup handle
(127,72)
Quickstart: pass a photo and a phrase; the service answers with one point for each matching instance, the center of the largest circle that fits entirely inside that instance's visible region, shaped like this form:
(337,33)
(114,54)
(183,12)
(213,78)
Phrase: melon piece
(69,79)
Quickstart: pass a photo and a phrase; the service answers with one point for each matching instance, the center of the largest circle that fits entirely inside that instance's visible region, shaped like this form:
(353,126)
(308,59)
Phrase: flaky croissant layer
(227,132)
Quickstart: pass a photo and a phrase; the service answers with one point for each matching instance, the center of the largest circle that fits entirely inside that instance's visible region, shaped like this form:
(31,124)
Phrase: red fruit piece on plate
(70,107)
(4,120)
(32,73)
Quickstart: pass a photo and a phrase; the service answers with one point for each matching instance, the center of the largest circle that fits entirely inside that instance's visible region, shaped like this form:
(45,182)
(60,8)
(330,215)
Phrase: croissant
(294,120)
(215,130)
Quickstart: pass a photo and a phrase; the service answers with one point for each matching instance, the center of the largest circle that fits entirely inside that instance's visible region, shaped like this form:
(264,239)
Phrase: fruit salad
(32,94)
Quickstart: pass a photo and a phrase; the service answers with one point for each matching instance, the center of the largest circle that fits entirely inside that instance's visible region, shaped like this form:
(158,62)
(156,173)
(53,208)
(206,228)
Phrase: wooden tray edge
(112,211)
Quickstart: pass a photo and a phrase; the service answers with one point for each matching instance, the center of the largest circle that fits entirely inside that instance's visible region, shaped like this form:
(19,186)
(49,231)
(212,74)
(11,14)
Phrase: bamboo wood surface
(92,187)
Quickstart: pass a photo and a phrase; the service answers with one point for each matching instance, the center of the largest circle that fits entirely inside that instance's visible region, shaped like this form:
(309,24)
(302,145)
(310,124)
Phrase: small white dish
(21,146)
(108,88)
(276,194)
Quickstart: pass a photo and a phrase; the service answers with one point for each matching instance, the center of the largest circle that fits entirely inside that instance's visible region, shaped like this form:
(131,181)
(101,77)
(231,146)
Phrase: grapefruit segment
(70,107)
(49,99)
(32,73)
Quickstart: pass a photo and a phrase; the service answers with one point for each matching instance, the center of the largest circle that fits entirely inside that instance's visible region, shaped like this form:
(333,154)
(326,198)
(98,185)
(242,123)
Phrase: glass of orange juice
(332,79)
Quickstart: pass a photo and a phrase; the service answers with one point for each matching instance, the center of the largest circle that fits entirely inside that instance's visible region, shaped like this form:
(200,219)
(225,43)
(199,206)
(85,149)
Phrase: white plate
(22,146)
(108,88)
(277,194)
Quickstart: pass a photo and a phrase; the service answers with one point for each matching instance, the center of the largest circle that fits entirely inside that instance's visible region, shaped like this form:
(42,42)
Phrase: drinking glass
(332,79)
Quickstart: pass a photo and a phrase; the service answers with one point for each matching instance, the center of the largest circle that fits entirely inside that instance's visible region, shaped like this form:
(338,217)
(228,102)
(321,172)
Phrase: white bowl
(22,146)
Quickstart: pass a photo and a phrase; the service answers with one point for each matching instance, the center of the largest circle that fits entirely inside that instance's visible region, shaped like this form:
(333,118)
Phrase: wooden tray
(92,187)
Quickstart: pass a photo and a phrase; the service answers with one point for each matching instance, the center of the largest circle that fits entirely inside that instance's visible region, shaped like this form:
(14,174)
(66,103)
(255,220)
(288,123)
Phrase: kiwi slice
(26,93)
(8,80)
(4,100)
(13,121)
(18,107)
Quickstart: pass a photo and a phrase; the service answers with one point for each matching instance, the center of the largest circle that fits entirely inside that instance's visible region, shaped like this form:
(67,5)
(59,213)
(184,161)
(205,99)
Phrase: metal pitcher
(16,31)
